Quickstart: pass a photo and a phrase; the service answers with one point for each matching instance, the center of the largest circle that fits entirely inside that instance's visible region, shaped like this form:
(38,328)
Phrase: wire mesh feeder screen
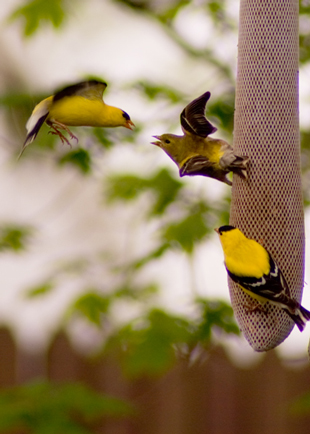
(269,206)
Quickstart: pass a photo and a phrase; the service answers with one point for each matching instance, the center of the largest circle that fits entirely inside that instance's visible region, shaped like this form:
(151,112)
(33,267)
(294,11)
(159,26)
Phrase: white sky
(62,204)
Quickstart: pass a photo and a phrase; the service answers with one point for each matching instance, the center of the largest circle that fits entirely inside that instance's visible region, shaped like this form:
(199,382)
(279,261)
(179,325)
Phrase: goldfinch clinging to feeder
(250,265)
(78,105)
(195,153)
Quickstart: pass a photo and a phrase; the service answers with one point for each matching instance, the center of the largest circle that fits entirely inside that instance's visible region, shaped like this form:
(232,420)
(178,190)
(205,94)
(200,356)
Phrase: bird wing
(197,165)
(272,286)
(201,165)
(193,119)
(91,89)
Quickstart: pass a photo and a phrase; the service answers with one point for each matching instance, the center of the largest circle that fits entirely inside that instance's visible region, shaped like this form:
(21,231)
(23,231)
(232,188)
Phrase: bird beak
(217,230)
(158,142)
(129,124)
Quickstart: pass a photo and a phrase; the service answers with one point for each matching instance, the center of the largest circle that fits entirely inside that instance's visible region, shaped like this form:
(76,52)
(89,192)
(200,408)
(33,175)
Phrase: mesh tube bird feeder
(268,207)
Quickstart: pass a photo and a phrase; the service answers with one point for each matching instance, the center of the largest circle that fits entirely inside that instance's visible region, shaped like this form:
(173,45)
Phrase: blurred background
(114,303)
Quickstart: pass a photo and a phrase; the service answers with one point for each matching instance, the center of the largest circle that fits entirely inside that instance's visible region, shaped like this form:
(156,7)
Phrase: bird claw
(55,126)
(74,137)
(249,308)
(61,136)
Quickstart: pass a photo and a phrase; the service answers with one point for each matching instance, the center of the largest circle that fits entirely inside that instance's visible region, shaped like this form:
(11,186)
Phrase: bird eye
(167,141)
(126,116)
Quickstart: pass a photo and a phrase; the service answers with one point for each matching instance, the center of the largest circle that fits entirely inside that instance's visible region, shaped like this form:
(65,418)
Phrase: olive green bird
(195,153)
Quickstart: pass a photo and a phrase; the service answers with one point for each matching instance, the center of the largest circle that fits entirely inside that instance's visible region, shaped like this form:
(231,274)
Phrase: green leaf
(164,187)
(39,290)
(36,12)
(14,237)
(91,305)
(223,110)
(155,91)
(304,7)
(215,313)
(46,408)
(304,48)
(147,346)
(79,158)
(103,138)
(186,232)
(154,254)
(135,292)
(19,100)
(124,187)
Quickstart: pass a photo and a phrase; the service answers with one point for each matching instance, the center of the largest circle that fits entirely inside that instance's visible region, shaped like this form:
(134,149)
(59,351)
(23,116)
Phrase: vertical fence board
(298,383)
(222,394)
(30,365)
(107,377)
(170,410)
(7,359)
(63,363)
(211,397)
(261,396)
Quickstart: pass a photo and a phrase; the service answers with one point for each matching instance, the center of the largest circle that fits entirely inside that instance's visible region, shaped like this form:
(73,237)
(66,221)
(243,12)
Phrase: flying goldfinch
(78,105)
(195,153)
(250,265)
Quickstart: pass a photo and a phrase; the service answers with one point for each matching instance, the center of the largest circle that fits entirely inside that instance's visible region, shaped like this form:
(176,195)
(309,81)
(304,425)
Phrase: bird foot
(249,308)
(55,126)
(72,136)
(61,136)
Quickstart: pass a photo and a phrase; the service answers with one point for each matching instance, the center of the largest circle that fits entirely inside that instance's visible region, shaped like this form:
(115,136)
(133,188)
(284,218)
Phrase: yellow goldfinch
(250,265)
(78,105)
(197,154)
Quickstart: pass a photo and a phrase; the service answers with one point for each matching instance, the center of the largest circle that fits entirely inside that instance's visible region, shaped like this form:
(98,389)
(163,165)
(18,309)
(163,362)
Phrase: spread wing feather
(193,119)
(91,89)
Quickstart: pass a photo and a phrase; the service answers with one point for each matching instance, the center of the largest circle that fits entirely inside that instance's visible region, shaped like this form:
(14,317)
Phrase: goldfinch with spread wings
(250,265)
(78,105)
(195,153)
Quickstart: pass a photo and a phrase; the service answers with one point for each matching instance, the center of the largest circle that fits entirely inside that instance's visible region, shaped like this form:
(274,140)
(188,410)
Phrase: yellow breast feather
(80,104)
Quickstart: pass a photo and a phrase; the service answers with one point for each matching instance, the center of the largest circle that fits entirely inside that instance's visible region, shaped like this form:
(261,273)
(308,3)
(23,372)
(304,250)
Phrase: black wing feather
(272,286)
(79,88)
(193,119)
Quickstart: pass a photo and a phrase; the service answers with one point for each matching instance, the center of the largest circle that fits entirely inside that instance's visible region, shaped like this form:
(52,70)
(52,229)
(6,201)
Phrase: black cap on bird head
(126,116)
(128,124)
(225,228)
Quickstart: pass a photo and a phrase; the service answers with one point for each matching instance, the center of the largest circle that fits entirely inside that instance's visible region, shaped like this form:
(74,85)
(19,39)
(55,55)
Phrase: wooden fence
(213,397)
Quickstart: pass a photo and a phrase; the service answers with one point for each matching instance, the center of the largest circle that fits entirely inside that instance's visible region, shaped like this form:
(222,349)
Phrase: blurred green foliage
(150,345)
(300,405)
(92,305)
(163,187)
(187,231)
(14,237)
(43,407)
(145,345)
(151,342)
(154,91)
(35,13)
(42,289)
(79,158)
(214,314)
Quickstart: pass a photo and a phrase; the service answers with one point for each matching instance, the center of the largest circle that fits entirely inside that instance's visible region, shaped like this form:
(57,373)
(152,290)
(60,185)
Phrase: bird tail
(33,133)
(240,165)
(234,163)
(300,317)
